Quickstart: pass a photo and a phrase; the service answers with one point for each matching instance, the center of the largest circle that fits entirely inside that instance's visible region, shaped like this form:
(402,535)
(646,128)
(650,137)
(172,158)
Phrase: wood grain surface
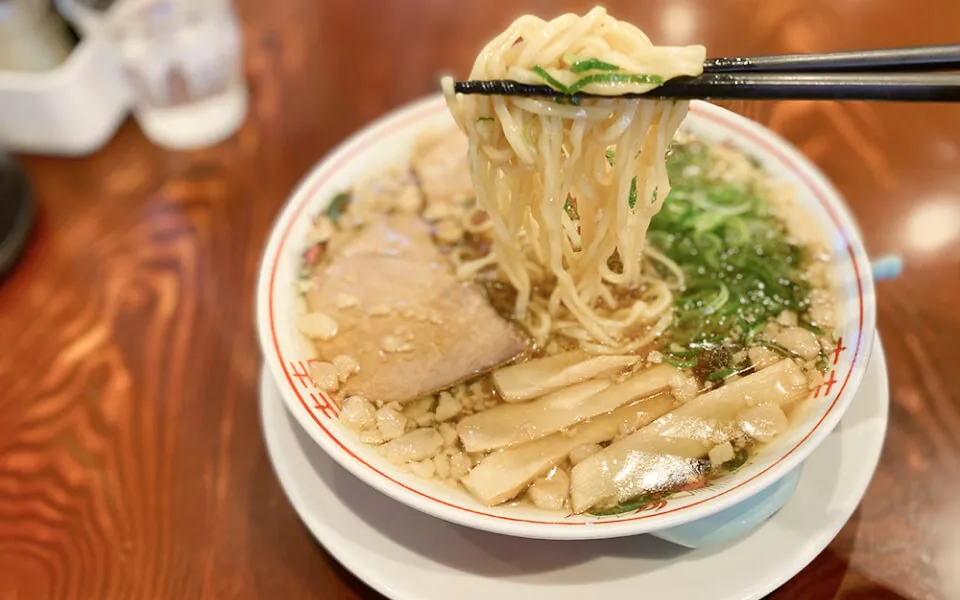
(131,458)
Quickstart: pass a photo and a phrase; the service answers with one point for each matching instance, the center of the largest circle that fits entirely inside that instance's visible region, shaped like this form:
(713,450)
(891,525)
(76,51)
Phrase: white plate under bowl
(389,142)
(410,556)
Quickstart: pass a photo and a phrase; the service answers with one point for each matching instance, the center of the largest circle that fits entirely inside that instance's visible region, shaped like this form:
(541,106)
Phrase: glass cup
(184,61)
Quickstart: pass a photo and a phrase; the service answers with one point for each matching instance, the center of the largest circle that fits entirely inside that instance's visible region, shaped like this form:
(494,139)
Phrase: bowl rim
(804,170)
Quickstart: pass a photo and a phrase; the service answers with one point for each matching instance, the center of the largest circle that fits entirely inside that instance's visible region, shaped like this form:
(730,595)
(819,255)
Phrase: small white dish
(411,556)
(72,110)
(389,142)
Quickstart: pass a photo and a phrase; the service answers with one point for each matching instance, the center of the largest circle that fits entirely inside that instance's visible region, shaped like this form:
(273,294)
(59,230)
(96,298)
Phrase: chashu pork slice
(411,325)
(441,164)
(399,236)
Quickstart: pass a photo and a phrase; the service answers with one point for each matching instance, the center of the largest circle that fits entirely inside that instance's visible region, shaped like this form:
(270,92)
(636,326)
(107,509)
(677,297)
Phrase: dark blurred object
(16,213)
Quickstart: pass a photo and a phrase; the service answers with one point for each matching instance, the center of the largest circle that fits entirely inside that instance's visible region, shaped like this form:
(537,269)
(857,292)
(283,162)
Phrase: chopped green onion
(592,64)
(725,232)
(632,200)
(610,78)
(682,364)
(611,155)
(739,459)
(625,507)
(718,301)
(594,78)
(776,348)
(721,374)
(336,206)
(737,232)
(706,221)
(551,81)
(753,330)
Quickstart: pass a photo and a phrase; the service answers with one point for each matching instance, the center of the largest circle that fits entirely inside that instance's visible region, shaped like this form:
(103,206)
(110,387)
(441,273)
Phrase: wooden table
(131,457)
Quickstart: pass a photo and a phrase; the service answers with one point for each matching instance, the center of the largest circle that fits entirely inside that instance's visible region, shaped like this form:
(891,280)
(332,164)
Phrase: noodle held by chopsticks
(570,187)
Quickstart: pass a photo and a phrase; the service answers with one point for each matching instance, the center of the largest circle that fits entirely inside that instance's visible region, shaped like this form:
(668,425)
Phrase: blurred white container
(54,98)
(32,36)
(87,16)
(182,59)
(73,109)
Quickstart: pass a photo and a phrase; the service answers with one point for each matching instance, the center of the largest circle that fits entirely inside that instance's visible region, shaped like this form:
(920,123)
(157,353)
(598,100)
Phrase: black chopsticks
(901,74)
(918,58)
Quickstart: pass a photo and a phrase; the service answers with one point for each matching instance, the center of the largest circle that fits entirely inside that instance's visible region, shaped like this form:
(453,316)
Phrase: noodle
(571,187)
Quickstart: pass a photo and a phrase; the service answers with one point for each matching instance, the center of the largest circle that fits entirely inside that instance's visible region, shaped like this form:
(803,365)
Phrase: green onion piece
(336,206)
(684,353)
(551,81)
(608,78)
(721,374)
(707,221)
(718,301)
(592,64)
(754,329)
(682,364)
(739,459)
(808,325)
(610,156)
(633,192)
(628,506)
(776,348)
(737,232)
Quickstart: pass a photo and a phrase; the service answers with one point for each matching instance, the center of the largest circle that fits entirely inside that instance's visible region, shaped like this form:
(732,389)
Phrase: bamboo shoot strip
(623,470)
(537,377)
(511,424)
(504,474)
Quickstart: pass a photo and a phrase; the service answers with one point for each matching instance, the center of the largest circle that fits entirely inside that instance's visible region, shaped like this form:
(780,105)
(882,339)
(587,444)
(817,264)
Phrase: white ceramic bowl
(388,142)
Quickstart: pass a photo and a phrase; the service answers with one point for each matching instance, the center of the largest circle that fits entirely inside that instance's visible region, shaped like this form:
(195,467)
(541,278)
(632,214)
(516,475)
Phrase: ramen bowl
(764,481)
